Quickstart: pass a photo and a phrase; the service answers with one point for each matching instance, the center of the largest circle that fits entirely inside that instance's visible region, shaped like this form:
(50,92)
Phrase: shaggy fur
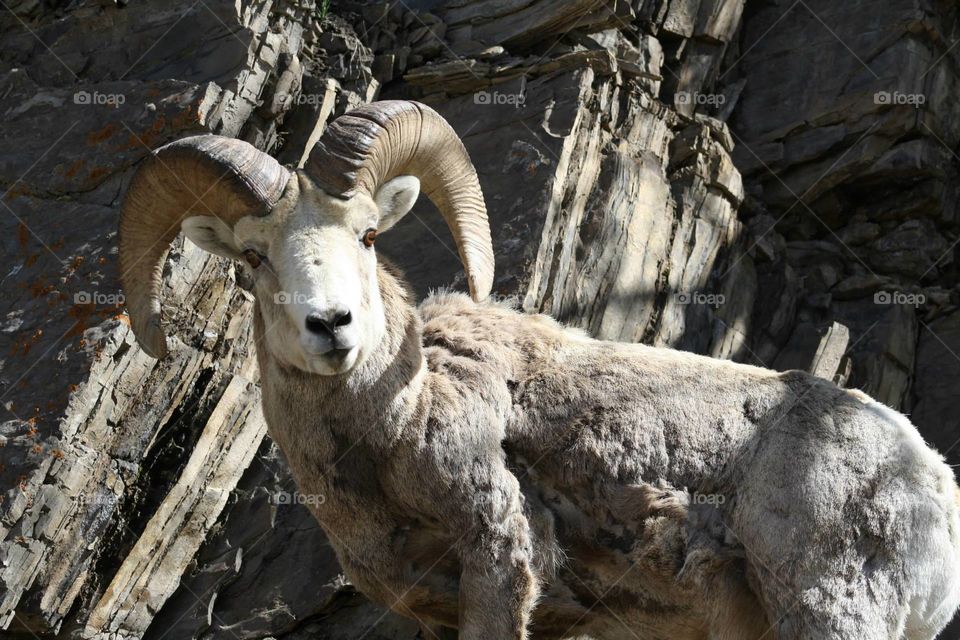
(494,471)
(491,471)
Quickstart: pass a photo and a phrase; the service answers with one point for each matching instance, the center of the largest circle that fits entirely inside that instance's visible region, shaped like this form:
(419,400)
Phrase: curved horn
(201,175)
(372,144)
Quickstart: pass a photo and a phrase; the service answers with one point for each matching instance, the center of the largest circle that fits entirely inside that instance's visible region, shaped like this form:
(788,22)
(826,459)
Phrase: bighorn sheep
(492,471)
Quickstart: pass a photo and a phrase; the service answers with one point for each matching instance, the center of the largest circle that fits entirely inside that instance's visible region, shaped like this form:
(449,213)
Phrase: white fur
(315,261)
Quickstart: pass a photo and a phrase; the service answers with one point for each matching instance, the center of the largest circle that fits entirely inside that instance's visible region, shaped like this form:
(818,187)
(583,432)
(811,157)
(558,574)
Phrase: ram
(491,471)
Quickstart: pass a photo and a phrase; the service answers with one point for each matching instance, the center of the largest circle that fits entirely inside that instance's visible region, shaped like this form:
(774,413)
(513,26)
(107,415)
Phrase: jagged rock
(521,24)
(858,286)
(266,568)
(618,199)
(833,346)
(883,346)
(151,571)
(913,249)
(107,483)
(859,233)
(866,146)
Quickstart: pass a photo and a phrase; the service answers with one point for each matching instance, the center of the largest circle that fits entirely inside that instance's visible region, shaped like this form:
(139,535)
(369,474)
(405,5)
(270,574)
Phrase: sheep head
(305,237)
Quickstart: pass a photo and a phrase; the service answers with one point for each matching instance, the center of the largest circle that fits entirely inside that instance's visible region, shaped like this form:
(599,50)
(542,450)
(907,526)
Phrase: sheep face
(313,267)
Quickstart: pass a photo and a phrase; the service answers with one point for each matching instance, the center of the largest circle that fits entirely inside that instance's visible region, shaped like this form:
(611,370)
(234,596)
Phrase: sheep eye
(369,236)
(253,258)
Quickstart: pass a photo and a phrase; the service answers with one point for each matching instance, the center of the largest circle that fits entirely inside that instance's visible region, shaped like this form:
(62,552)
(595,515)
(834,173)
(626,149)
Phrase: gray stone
(915,249)
(616,145)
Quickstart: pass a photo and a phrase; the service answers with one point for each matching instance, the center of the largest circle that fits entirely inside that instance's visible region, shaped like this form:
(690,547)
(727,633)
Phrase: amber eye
(369,236)
(253,258)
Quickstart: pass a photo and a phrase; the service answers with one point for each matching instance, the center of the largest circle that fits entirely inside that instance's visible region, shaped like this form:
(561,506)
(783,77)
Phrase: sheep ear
(395,199)
(212,235)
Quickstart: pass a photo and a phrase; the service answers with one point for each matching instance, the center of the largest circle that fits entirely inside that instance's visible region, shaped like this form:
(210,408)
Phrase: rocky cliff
(772,183)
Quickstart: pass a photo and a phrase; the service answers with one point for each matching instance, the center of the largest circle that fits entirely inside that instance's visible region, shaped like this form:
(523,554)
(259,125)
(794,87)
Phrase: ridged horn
(366,147)
(201,175)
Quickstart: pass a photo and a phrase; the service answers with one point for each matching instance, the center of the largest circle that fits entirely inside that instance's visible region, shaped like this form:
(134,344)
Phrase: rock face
(854,161)
(772,184)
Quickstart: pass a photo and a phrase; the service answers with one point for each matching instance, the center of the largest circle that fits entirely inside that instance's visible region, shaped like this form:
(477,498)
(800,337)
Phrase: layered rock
(845,138)
(142,498)
(115,467)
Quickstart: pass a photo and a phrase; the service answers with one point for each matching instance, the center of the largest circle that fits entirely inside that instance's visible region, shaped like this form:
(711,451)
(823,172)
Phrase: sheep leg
(497,585)
(368,545)
(498,588)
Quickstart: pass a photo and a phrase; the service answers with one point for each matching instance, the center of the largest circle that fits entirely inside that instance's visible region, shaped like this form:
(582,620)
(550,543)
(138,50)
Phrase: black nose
(326,323)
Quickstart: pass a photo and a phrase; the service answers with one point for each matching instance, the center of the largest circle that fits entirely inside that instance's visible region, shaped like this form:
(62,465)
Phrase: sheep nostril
(325,324)
(317,324)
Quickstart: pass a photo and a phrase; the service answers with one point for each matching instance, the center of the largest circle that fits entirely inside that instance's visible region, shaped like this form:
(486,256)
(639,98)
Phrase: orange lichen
(75,264)
(99,173)
(186,118)
(38,289)
(20,346)
(73,168)
(23,343)
(96,137)
(17,190)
